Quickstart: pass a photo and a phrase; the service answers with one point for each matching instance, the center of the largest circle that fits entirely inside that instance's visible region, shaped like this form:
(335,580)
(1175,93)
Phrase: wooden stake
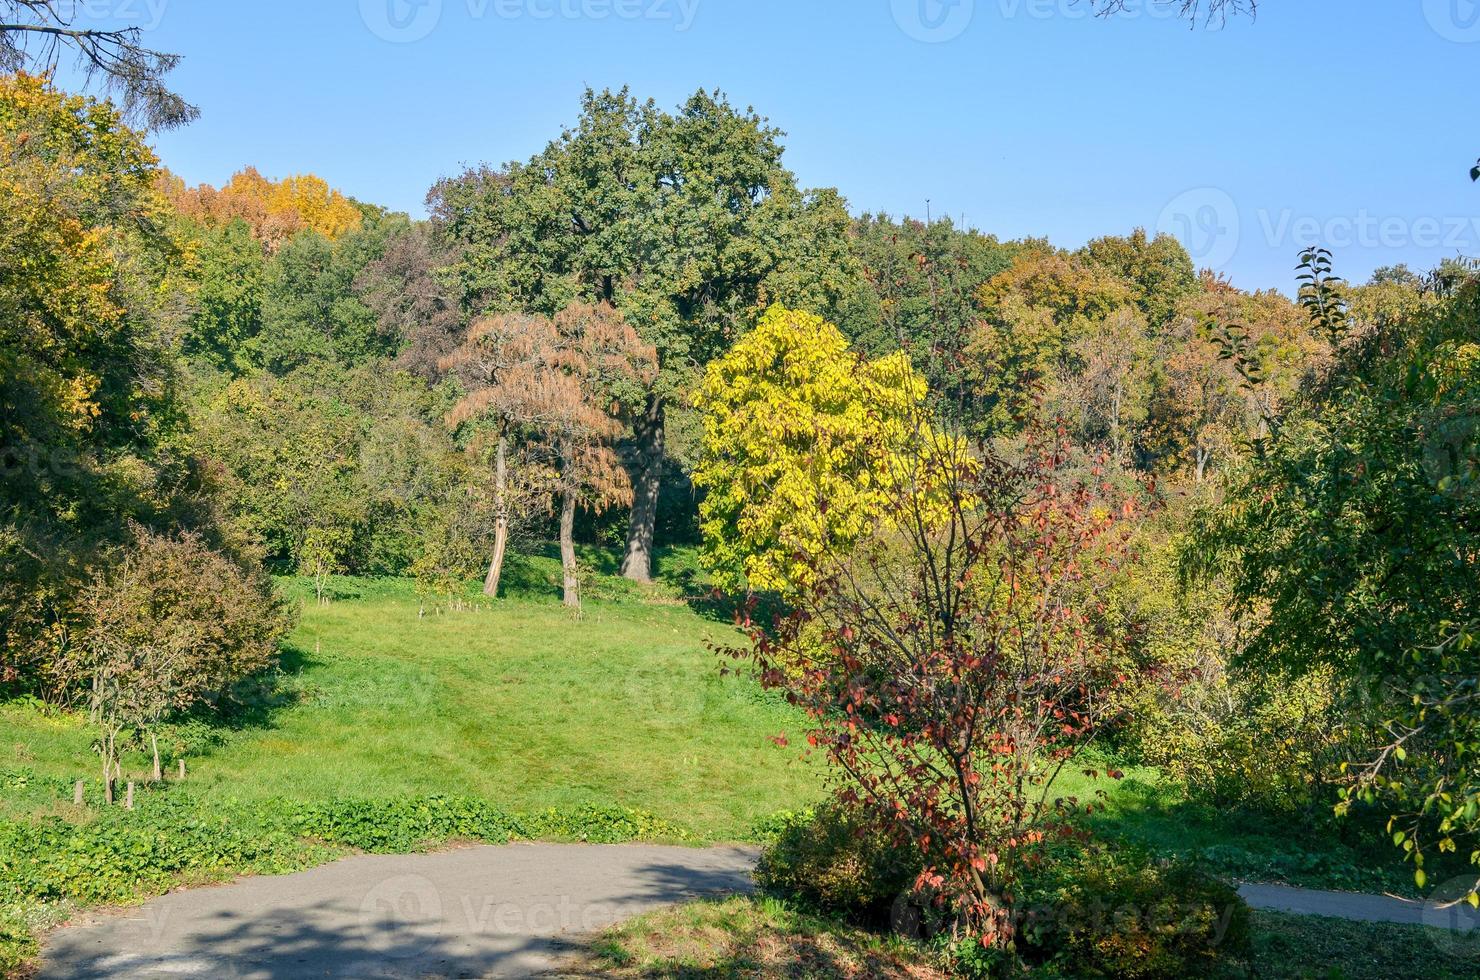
(128,799)
(182,768)
(78,791)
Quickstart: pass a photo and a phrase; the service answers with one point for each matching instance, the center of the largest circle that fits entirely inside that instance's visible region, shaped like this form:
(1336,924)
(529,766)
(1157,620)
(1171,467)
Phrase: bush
(1115,913)
(174,614)
(1273,743)
(400,825)
(830,859)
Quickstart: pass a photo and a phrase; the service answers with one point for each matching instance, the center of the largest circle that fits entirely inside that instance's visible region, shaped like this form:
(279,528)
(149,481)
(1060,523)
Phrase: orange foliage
(275,210)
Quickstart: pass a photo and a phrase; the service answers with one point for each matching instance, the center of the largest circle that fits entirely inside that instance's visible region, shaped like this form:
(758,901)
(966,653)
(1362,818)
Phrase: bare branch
(34,34)
(1210,11)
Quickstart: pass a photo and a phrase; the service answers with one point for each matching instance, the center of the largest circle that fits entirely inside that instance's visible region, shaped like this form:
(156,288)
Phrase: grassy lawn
(518,702)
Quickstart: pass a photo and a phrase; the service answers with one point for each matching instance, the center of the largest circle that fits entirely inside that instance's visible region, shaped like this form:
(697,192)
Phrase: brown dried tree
(552,389)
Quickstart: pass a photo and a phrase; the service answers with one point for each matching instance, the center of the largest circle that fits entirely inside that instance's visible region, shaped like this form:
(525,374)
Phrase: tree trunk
(647,478)
(107,754)
(568,548)
(154,743)
(501,517)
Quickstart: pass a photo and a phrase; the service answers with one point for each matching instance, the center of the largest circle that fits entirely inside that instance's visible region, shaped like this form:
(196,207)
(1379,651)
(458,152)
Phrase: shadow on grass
(254,704)
(677,577)
(1312,849)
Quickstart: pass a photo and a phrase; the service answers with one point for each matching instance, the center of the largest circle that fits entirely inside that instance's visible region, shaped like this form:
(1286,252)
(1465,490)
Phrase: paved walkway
(509,911)
(512,911)
(1361,908)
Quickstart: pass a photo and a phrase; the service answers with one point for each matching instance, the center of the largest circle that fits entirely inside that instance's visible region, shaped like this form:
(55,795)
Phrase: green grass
(517,701)
(544,715)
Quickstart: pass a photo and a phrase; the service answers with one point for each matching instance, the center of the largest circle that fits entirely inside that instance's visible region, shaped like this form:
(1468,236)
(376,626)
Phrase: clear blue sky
(1352,121)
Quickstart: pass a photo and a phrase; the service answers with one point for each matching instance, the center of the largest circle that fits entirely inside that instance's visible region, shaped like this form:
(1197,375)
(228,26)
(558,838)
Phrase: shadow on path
(479,912)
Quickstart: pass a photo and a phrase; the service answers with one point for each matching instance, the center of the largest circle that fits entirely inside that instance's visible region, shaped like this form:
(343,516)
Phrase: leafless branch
(35,34)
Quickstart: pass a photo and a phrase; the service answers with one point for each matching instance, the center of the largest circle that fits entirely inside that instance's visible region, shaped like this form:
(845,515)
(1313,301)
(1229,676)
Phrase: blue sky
(1351,122)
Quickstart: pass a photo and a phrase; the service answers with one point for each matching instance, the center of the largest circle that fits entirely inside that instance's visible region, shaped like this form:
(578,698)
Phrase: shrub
(167,625)
(832,860)
(404,824)
(1114,913)
(594,824)
(1273,742)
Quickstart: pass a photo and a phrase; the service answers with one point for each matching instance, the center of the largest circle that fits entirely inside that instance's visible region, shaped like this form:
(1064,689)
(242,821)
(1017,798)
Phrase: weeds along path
(511,911)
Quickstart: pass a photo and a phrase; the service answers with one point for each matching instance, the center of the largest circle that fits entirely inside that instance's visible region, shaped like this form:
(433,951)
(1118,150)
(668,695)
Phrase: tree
(1210,10)
(1110,385)
(500,367)
(168,625)
(290,449)
(599,358)
(555,382)
(310,310)
(228,313)
(358,453)
(414,308)
(685,222)
(276,211)
(88,388)
(1352,536)
(1159,269)
(918,294)
(1021,353)
(34,33)
(953,660)
(1230,362)
(797,434)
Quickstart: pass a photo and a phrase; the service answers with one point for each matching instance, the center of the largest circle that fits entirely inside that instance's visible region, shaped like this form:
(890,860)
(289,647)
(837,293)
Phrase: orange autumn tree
(274,210)
(549,391)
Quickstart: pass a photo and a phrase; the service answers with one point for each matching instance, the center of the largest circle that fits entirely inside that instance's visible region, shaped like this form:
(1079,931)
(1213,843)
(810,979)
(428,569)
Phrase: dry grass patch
(751,937)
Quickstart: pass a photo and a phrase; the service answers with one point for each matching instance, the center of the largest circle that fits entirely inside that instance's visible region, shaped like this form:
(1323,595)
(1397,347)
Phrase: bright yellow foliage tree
(801,444)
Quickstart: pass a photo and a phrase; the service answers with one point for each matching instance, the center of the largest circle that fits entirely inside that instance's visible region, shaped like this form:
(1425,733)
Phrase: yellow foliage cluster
(801,446)
(275,210)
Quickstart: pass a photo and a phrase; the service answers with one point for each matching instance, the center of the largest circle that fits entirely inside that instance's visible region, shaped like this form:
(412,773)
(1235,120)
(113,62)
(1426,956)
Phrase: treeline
(322,386)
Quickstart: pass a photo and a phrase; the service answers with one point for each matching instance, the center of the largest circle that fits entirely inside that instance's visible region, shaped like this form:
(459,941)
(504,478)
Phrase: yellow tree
(799,445)
(86,374)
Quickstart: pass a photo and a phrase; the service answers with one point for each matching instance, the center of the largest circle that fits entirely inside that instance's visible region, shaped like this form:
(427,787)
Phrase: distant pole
(182,768)
(928,219)
(128,798)
(77,791)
